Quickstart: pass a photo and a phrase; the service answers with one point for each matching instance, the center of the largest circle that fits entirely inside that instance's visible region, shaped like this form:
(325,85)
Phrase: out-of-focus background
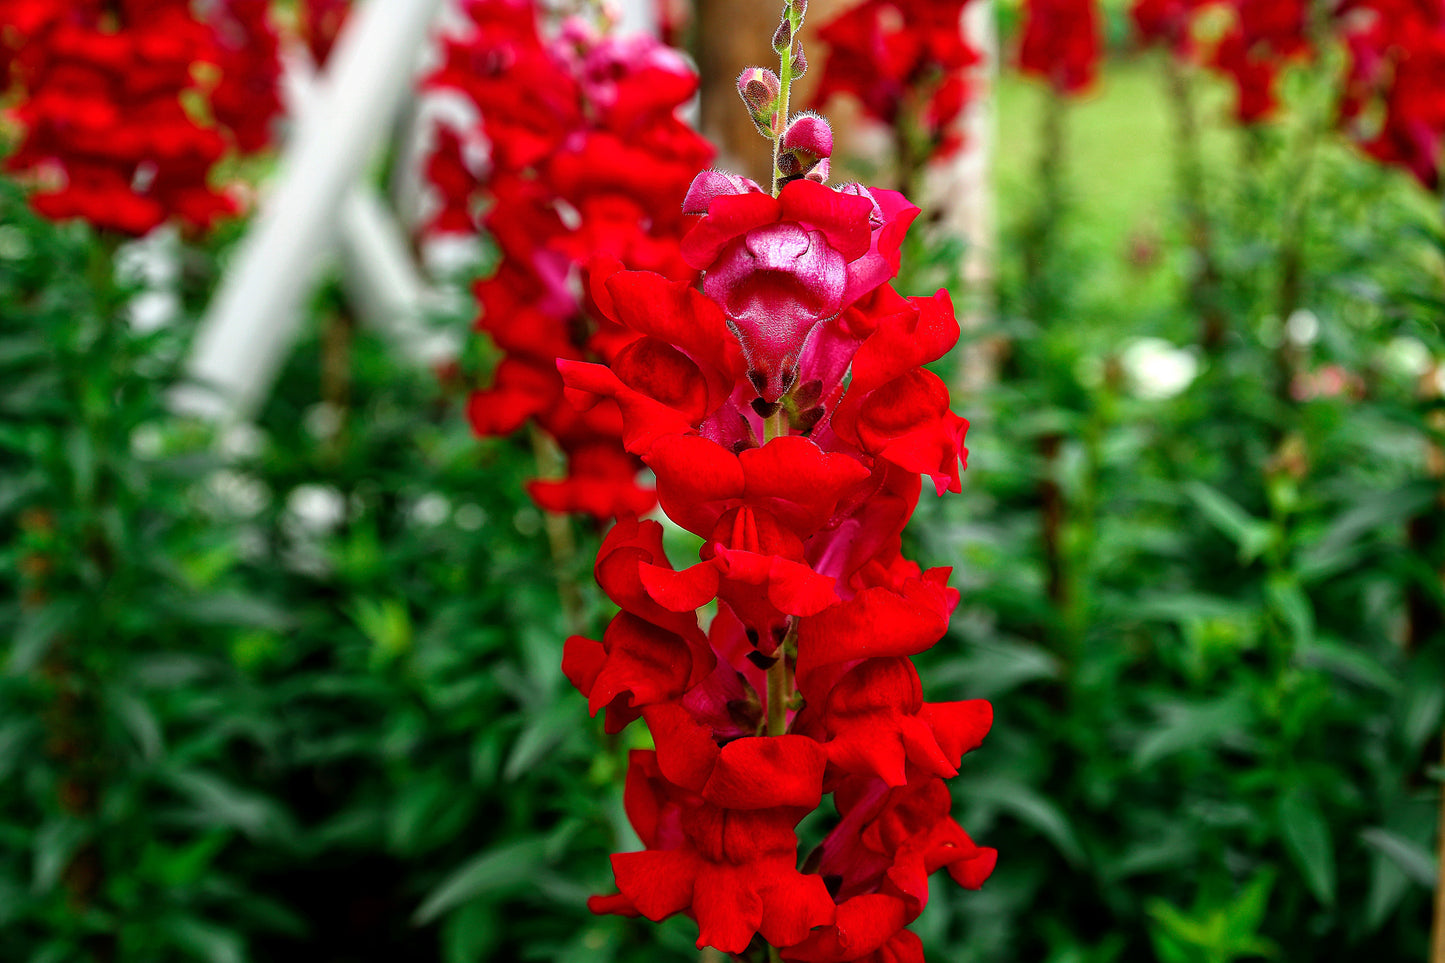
(284,625)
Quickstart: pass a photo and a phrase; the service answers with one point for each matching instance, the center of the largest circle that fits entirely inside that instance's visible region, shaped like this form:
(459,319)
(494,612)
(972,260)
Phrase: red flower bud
(760,90)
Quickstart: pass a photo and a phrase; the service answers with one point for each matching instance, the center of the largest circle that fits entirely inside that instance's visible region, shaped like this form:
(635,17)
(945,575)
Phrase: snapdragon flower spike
(1391,104)
(786,415)
(890,54)
(586,158)
(1061,43)
(106,96)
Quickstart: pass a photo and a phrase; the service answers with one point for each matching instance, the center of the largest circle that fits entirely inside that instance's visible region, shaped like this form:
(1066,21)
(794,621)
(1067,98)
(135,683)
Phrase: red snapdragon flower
(1391,103)
(1167,23)
(787,418)
(1266,36)
(900,55)
(586,159)
(103,105)
(1061,43)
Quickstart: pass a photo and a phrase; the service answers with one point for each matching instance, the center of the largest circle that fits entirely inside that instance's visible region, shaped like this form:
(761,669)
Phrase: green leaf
(1250,534)
(1184,726)
(219,803)
(206,940)
(139,721)
(539,737)
(1293,607)
(38,629)
(1388,886)
(488,871)
(55,843)
(1307,836)
(1351,663)
(1032,810)
(16,738)
(1415,860)
(471,933)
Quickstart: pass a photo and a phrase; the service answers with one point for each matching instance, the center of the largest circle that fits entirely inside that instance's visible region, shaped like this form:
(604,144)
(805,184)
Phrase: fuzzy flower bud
(760,89)
(783,36)
(807,141)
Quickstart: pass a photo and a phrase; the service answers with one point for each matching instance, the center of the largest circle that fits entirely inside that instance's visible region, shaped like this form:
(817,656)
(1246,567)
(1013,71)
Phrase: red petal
(727,907)
(762,772)
(959,727)
(683,591)
(659,883)
(695,479)
(794,903)
(728,216)
(864,924)
(875,622)
(843,218)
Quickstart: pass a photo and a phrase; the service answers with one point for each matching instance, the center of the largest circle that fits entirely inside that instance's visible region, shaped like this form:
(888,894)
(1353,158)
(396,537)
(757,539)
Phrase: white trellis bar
(254,317)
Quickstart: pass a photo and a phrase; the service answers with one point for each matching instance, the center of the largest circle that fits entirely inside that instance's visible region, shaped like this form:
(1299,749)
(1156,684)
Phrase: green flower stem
(560,540)
(785,75)
(780,681)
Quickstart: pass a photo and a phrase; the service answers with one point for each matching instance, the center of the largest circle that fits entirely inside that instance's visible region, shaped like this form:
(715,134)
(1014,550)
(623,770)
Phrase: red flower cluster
(1262,38)
(320,23)
(904,61)
(787,414)
(587,158)
(1266,35)
(1061,43)
(108,98)
(1167,22)
(1392,103)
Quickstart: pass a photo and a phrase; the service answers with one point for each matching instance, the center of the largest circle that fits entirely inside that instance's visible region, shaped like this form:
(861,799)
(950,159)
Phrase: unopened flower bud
(760,89)
(800,61)
(783,36)
(807,141)
(809,134)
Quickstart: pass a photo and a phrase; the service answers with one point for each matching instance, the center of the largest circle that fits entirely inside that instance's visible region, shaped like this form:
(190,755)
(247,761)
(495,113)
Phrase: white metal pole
(254,316)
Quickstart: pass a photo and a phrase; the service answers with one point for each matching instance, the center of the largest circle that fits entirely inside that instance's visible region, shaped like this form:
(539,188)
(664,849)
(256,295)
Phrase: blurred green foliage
(294,693)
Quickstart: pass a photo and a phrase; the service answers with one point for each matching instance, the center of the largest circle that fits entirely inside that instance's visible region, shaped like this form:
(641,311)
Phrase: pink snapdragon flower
(780,266)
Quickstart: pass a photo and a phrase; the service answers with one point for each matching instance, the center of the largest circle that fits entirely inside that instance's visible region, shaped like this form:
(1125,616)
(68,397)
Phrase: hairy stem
(785,75)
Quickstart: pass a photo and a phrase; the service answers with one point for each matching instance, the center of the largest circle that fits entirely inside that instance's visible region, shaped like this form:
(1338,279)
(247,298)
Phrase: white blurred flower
(152,310)
(316,508)
(238,494)
(1157,369)
(152,261)
(449,255)
(430,510)
(242,440)
(1303,327)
